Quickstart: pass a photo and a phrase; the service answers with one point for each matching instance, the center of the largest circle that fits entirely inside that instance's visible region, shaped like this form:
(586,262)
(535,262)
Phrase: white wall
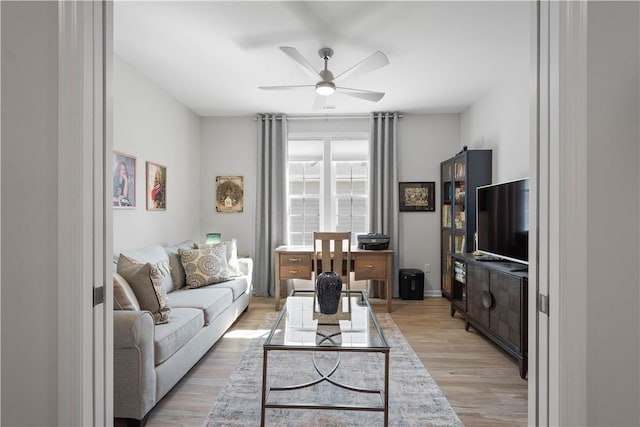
(29,213)
(613,229)
(499,121)
(423,142)
(152,126)
(229,147)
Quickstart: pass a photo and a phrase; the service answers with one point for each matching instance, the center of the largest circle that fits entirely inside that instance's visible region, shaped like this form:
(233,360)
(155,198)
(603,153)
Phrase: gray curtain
(270,230)
(384,204)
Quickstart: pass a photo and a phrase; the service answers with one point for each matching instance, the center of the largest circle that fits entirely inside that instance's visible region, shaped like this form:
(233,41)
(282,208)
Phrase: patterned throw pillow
(232,255)
(204,266)
(148,283)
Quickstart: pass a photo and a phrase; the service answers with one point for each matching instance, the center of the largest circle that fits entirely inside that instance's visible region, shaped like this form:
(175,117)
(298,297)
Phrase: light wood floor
(480,381)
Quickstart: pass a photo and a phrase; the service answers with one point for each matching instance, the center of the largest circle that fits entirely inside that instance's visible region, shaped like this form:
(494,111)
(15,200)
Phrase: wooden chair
(334,251)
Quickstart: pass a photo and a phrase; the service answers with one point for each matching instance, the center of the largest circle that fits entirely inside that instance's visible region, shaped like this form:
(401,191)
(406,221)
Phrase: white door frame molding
(84,225)
(0,223)
(568,327)
(557,388)
(538,34)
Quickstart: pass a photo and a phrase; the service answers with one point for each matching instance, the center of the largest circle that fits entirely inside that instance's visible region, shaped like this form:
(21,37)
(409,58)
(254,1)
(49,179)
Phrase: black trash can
(411,283)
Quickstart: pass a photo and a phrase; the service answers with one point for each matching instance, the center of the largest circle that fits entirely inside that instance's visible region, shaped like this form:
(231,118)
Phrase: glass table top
(301,325)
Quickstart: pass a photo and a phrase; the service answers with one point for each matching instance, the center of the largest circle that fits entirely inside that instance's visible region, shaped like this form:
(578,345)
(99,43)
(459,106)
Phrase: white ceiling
(212,55)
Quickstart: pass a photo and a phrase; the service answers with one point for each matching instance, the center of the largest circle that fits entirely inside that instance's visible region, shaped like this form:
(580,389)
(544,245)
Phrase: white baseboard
(433,293)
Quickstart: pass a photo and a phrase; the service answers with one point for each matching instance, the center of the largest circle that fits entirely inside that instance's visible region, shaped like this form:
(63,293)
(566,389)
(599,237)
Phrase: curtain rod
(326,116)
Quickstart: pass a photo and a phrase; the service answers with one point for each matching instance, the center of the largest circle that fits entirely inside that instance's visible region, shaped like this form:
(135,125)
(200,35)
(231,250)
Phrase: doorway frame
(551,258)
(557,338)
(85,307)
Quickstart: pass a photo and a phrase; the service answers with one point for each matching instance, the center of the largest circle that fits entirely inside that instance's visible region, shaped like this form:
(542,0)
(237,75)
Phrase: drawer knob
(294,271)
(294,259)
(371,266)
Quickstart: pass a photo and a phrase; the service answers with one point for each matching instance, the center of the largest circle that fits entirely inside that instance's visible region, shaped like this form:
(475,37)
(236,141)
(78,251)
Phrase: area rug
(414,397)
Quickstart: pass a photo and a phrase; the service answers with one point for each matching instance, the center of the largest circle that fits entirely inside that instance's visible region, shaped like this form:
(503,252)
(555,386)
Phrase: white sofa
(149,358)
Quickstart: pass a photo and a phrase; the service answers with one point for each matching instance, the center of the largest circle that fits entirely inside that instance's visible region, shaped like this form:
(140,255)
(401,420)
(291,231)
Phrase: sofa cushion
(123,296)
(147,281)
(231,247)
(150,254)
(204,266)
(238,286)
(212,300)
(184,324)
(177,270)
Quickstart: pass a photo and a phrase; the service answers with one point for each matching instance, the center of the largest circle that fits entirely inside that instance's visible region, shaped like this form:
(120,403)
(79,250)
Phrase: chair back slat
(326,255)
(334,253)
(337,256)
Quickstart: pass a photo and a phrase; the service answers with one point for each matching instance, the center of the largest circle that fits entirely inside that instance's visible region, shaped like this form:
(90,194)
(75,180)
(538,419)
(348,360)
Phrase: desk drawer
(295,272)
(296,259)
(371,267)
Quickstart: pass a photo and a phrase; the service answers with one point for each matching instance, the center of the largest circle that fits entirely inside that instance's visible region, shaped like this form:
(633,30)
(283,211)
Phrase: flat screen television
(503,220)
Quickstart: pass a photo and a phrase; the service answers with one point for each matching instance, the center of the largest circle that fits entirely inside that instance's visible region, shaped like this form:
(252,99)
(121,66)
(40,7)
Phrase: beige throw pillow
(204,266)
(148,284)
(126,262)
(175,265)
(123,296)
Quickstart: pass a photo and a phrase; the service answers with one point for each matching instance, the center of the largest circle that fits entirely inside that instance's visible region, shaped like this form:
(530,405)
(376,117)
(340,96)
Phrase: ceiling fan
(327,84)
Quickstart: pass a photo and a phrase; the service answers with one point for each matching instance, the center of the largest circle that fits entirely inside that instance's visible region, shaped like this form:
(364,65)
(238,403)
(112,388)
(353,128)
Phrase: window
(327,187)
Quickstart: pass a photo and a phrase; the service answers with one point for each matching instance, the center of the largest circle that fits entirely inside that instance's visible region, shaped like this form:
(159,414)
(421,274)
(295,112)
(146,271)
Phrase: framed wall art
(124,181)
(417,196)
(229,194)
(156,187)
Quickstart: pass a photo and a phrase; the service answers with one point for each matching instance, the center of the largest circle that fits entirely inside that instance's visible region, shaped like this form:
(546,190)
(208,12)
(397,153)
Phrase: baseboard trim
(431,293)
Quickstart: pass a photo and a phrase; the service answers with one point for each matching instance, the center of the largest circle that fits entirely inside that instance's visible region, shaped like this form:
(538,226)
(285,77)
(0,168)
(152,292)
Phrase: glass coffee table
(345,364)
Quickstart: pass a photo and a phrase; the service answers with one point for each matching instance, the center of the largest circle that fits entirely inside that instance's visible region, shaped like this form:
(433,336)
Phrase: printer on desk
(373,241)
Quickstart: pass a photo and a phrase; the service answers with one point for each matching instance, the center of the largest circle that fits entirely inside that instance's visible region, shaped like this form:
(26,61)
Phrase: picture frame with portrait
(124,181)
(156,187)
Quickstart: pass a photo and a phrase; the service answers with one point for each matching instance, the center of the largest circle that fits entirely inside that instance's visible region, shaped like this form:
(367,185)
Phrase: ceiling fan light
(325,88)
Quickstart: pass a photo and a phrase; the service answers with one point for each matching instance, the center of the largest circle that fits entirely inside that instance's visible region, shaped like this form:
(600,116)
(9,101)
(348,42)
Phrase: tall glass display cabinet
(460,176)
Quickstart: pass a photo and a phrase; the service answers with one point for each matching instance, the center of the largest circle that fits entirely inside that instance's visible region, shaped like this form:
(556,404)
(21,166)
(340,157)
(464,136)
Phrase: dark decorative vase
(328,289)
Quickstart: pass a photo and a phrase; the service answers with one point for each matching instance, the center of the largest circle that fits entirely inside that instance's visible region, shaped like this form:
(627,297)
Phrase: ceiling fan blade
(297,57)
(362,94)
(373,62)
(319,102)
(293,87)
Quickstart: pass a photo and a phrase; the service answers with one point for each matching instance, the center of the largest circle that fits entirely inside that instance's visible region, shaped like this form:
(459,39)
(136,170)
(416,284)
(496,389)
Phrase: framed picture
(417,196)
(124,181)
(156,187)
(229,194)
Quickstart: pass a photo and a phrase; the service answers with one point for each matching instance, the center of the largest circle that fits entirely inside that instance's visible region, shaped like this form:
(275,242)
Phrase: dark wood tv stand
(492,297)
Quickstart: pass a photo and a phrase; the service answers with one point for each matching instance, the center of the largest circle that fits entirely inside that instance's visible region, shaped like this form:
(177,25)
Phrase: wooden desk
(296,262)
